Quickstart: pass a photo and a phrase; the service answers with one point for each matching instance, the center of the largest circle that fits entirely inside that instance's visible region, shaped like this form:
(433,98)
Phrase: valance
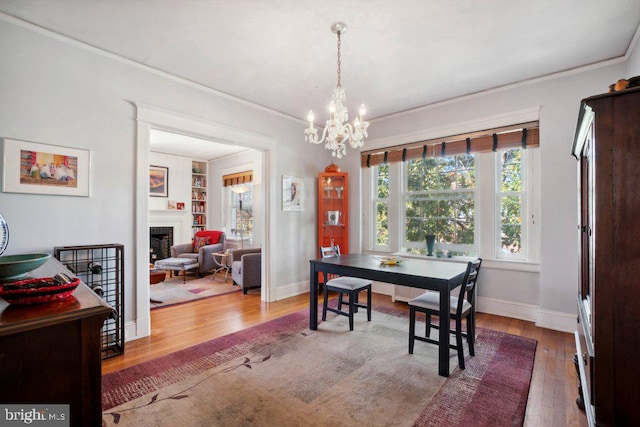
(237,178)
(524,135)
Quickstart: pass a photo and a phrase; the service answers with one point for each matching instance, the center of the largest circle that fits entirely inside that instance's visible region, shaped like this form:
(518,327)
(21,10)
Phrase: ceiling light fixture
(337,129)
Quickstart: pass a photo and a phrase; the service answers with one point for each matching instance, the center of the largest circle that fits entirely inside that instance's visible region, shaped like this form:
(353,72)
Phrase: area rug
(280,373)
(172,291)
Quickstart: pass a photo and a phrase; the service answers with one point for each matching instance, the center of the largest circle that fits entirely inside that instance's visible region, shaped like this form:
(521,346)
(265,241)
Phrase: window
(511,203)
(439,199)
(381,206)
(478,203)
(241,210)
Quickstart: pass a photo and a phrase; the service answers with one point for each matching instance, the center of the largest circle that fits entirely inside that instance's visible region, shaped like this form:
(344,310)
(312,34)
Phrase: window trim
(455,247)
(524,211)
(485,209)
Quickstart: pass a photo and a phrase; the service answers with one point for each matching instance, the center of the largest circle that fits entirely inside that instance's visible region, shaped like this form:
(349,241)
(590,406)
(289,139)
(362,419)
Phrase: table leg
(443,337)
(184,275)
(313,299)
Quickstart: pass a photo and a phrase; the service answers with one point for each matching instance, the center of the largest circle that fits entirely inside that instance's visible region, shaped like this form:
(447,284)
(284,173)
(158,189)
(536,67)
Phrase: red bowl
(25,296)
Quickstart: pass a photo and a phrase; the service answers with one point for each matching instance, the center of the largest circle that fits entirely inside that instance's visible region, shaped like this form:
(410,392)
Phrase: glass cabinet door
(333,214)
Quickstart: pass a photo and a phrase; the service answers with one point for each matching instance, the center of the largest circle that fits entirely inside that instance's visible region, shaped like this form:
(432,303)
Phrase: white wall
(57,92)
(559,100)
(179,190)
(633,63)
(61,93)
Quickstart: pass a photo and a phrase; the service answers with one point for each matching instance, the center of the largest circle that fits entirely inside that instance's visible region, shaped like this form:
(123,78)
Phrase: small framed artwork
(35,168)
(180,206)
(291,193)
(159,181)
(171,205)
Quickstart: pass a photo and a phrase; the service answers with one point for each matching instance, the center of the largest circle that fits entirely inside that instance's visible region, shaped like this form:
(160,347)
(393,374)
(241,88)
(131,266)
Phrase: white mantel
(179,220)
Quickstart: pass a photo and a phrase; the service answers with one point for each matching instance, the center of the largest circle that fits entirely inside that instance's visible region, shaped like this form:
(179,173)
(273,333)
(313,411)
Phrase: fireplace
(161,240)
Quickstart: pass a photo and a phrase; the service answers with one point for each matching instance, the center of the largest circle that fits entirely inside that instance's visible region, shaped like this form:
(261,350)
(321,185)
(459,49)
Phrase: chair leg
(412,327)
(340,300)
(369,304)
(325,293)
(351,310)
(471,333)
(427,327)
(459,342)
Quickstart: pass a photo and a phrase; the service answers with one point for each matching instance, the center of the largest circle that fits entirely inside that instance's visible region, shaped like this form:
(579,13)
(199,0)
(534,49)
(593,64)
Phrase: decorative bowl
(389,260)
(37,291)
(17,266)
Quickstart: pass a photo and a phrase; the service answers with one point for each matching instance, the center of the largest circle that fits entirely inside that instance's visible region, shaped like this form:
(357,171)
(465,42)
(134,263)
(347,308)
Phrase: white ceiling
(396,55)
(188,146)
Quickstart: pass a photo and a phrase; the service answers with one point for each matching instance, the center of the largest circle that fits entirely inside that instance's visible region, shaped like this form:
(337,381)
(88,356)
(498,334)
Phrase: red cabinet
(333,209)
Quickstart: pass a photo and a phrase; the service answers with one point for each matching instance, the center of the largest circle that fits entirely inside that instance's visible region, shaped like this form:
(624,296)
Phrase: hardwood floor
(553,387)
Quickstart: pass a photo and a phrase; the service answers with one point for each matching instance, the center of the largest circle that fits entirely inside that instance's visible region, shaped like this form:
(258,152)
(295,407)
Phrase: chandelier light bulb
(337,130)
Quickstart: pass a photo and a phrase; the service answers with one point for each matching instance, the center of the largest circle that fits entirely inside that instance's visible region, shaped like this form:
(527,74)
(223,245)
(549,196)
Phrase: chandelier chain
(339,76)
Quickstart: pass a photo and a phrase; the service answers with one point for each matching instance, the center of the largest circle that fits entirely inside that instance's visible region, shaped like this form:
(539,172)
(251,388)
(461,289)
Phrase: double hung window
(476,202)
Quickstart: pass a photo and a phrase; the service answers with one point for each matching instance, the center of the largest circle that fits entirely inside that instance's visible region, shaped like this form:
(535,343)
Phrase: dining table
(433,275)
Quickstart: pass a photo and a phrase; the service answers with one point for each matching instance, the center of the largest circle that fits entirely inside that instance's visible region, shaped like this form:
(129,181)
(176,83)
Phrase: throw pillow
(199,242)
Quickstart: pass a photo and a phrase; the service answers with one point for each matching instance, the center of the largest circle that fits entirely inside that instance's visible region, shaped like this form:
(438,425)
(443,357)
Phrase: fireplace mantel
(179,220)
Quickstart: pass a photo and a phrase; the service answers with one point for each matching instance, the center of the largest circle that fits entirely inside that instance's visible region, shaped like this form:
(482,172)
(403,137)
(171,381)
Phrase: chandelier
(337,130)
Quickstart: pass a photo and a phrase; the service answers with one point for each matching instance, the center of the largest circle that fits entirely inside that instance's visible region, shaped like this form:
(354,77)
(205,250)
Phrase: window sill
(493,264)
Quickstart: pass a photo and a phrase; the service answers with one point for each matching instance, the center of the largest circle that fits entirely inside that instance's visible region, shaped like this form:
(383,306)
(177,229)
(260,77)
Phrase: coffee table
(177,264)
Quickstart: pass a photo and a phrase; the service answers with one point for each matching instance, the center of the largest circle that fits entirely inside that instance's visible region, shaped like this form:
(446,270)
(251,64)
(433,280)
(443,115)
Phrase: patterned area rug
(172,291)
(281,373)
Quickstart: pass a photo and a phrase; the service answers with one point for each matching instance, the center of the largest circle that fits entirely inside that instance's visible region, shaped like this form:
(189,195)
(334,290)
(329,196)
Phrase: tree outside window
(381,205)
(440,200)
(511,199)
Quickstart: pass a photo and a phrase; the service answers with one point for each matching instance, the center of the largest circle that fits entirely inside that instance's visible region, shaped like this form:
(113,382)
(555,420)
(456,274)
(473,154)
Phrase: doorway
(148,119)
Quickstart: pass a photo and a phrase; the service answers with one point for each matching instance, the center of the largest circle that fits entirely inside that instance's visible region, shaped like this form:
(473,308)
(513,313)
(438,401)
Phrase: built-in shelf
(198,195)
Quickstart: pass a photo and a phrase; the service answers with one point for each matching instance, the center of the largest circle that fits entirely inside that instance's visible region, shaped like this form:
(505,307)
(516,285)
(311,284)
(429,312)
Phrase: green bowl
(17,266)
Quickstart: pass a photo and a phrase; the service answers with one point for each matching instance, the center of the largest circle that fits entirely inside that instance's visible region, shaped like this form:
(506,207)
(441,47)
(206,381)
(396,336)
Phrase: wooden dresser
(51,353)
(607,146)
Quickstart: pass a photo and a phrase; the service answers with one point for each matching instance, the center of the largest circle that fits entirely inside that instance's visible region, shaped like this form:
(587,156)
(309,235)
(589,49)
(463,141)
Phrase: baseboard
(556,320)
(516,310)
(291,290)
(131,331)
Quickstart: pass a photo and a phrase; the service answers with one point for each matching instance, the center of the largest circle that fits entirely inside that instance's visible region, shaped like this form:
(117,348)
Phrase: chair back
(469,283)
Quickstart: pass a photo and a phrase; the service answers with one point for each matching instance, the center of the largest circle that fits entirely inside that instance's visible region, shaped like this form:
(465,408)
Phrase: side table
(222,260)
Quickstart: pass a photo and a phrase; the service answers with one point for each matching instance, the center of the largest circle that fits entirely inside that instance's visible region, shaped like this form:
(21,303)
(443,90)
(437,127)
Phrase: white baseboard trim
(556,320)
(516,310)
(290,290)
(131,331)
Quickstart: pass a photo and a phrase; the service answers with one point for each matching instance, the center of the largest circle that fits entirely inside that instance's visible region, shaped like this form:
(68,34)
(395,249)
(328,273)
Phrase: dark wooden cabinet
(607,146)
(51,354)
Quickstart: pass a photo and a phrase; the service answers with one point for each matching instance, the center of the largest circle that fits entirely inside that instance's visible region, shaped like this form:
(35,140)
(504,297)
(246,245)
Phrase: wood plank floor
(553,387)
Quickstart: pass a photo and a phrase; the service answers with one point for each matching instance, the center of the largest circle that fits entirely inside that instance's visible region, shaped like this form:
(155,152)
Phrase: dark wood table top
(409,272)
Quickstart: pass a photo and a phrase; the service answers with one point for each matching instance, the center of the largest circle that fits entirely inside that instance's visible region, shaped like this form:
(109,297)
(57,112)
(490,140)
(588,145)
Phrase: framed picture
(291,193)
(34,168)
(159,181)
